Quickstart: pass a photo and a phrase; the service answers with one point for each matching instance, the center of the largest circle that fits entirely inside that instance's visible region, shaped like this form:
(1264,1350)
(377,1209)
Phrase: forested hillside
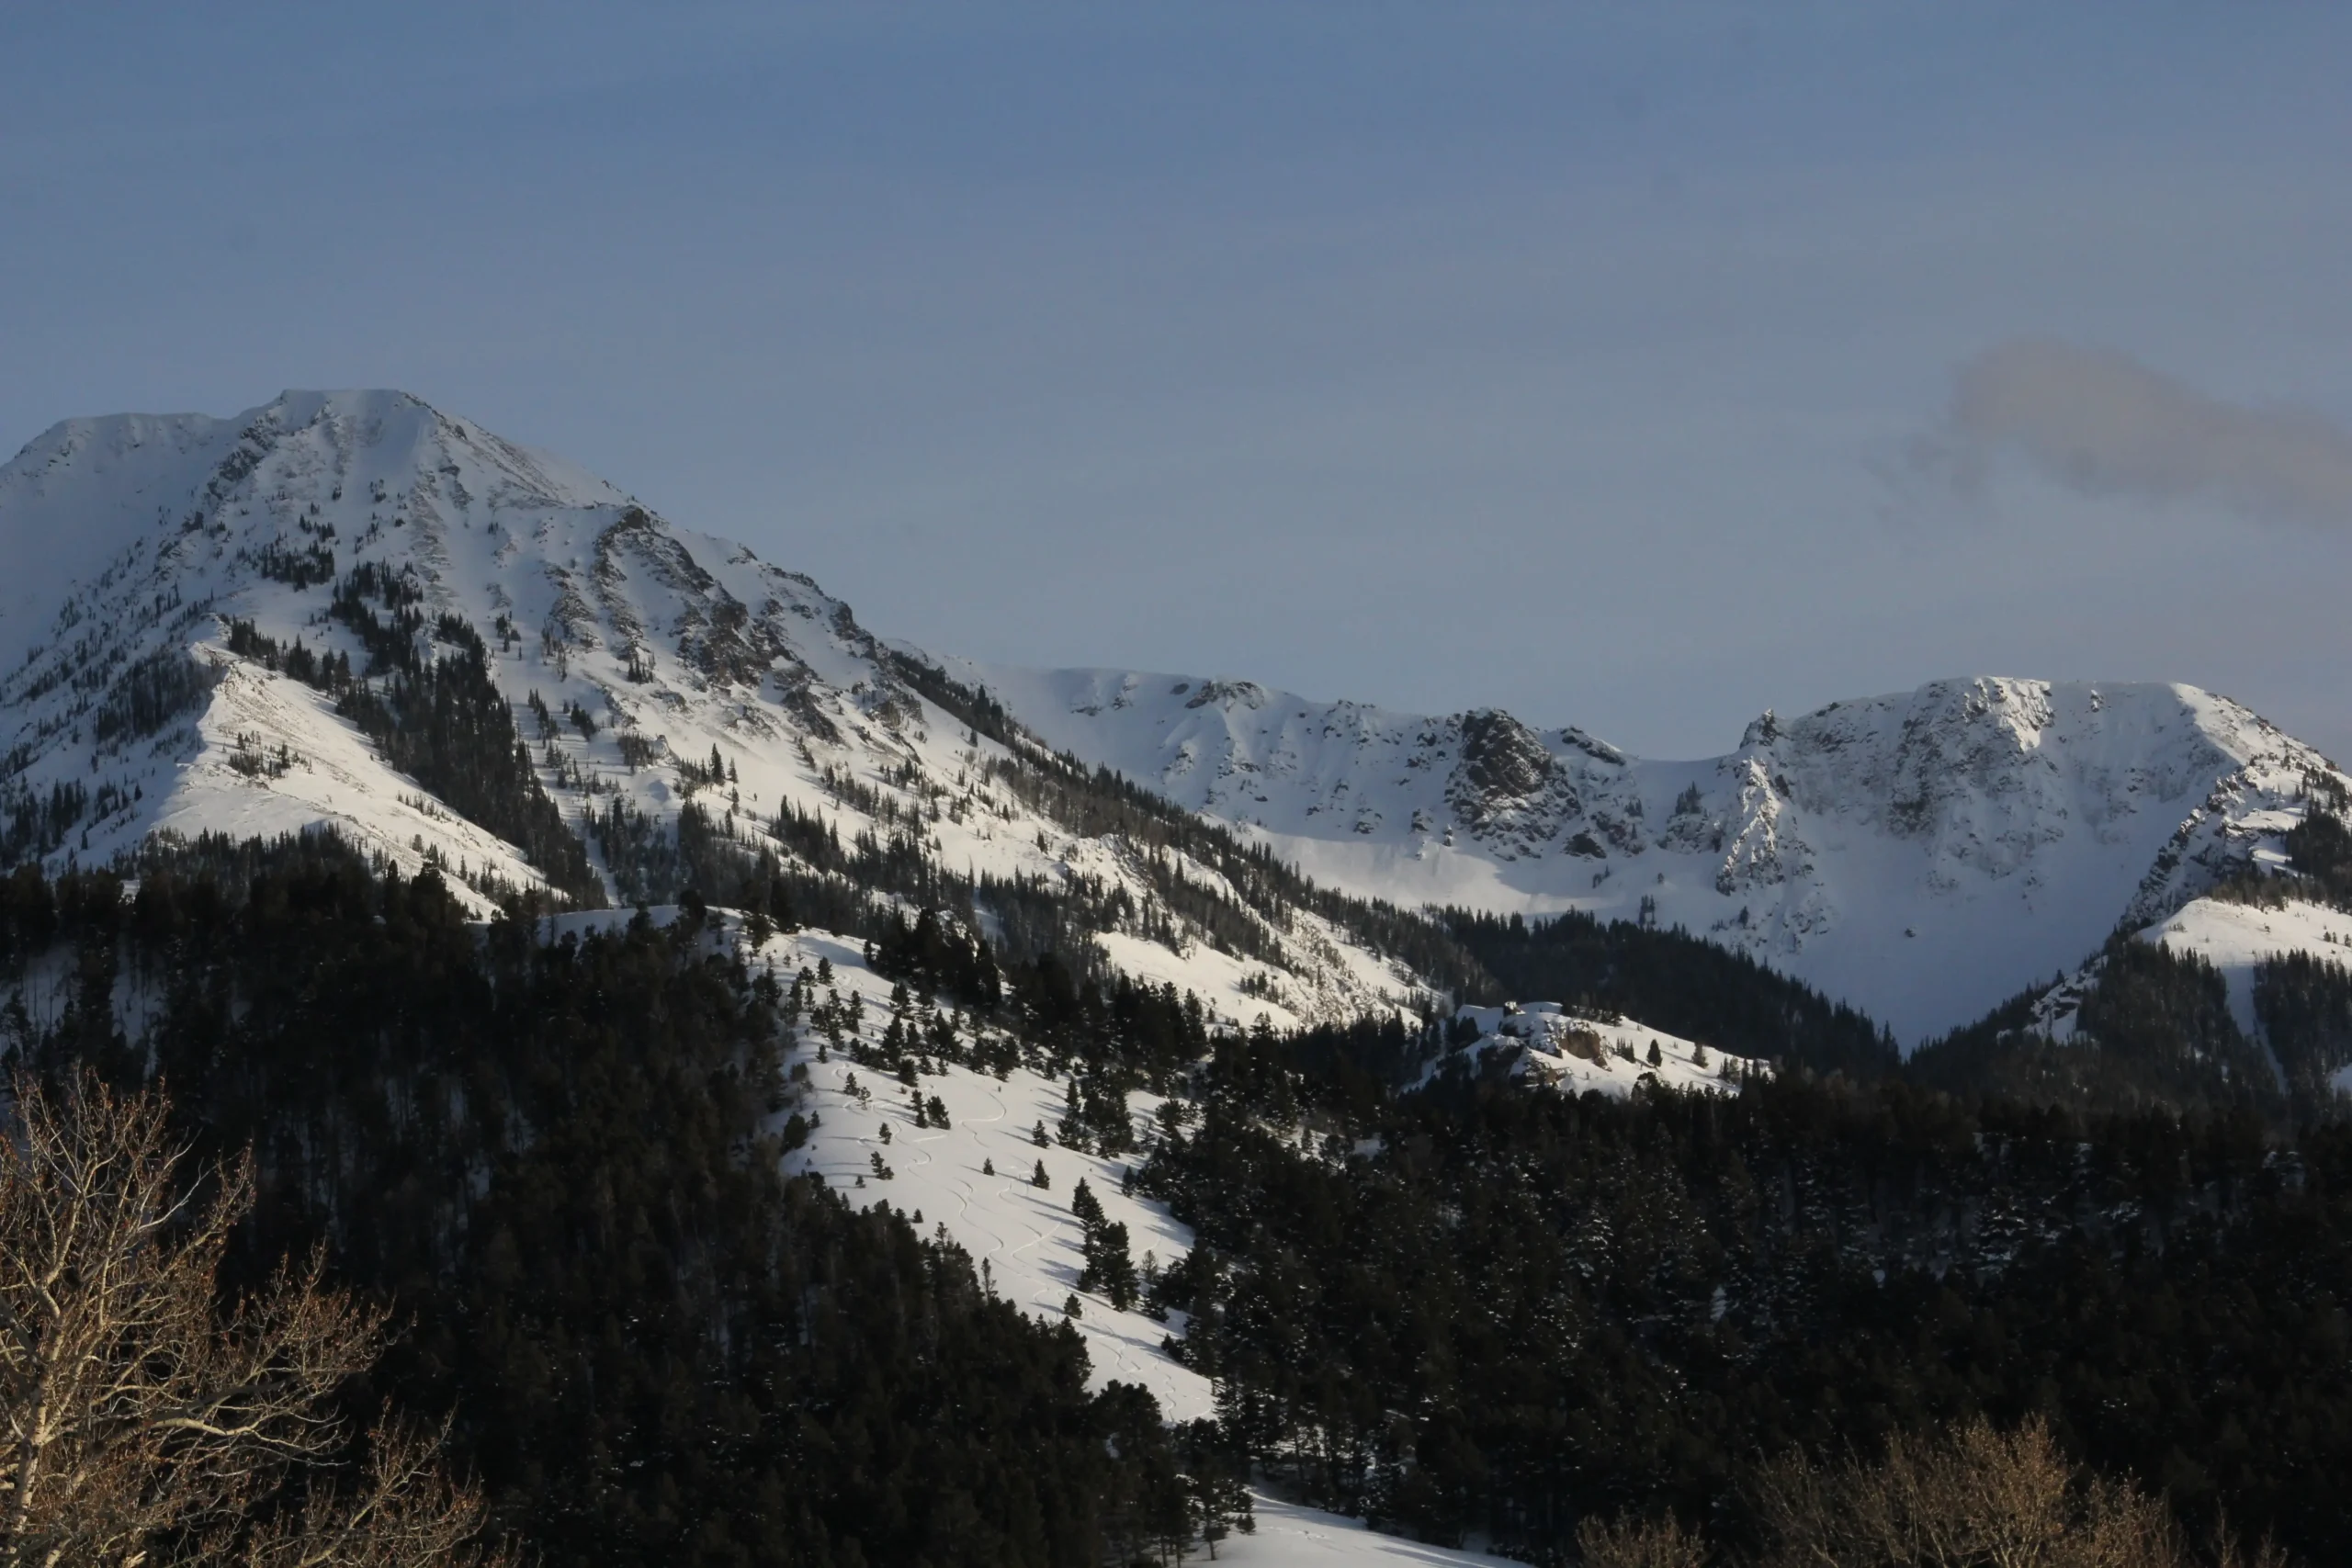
(1478,1311)
(549,1160)
(1474,1312)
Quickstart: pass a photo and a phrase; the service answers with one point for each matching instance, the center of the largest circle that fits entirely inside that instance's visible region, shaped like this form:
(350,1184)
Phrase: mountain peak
(88,490)
(352,610)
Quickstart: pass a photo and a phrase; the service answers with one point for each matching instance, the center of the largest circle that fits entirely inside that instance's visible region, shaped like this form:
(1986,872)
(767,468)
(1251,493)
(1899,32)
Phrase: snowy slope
(1922,855)
(1574,1053)
(1026,1235)
(85,493)
(1289,1536)
(143,536)
(2238,938)
(2234,936)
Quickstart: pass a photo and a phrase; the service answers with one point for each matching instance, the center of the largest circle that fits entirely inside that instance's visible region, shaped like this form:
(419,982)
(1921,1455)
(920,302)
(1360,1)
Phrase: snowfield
(1289,1536)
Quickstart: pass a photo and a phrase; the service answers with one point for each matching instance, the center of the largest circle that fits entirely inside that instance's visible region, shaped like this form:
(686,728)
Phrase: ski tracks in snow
(1024,1236)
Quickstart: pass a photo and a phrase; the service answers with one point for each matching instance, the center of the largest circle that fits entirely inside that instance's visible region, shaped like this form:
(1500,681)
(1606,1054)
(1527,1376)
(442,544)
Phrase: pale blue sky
(1597,362)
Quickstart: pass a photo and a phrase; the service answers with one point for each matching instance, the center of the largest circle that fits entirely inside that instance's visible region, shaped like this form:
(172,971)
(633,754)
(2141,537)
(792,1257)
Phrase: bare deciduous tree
(144,1423)
(1973,1497)
(1630,1543)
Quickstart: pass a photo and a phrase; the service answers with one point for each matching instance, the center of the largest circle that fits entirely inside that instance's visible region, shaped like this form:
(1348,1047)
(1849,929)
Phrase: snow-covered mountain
(1923,855)
(186,602)
(180,595)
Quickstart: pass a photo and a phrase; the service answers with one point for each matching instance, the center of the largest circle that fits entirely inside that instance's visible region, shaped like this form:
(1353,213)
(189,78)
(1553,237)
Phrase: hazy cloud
(2102,423)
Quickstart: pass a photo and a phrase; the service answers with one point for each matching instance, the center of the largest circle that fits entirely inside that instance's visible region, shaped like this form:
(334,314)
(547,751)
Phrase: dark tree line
(933,956)
(1480,1311)
(2319,845)
(149,695)
(36,824)
(2153,1029)
(2304,1003)
(1466,1309)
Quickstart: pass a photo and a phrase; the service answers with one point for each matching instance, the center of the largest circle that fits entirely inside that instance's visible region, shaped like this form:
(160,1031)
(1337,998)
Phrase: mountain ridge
(1922,854)
(1861,848)
(250,611)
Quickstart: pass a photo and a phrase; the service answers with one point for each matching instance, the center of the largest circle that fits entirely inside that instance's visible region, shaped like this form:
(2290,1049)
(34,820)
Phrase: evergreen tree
(1109,1272)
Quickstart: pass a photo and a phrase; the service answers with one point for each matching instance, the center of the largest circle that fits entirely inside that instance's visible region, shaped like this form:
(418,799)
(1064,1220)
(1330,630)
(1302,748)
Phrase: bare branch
(134,1411)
